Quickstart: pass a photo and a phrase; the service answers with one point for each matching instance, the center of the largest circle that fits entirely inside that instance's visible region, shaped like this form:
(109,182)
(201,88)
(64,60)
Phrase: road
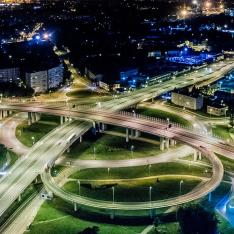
(7,133)
(48,149)
(27,168)
(200,142)
(168,156)
(217,175)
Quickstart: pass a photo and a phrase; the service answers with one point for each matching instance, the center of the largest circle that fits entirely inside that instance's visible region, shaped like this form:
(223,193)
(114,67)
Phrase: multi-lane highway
(49,148)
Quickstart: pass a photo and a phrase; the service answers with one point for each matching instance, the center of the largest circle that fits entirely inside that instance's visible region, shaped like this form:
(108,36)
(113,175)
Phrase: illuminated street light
(113,194)
(46,36)
(150,193)
(184,13)
(78,182)
(208,4)
(181,182)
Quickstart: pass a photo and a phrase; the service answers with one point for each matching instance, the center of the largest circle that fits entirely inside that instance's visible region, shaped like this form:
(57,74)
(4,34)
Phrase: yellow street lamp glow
(208,4)
(184,12)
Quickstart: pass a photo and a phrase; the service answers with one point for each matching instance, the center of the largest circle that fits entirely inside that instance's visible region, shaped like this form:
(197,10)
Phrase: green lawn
(227,163)
(6,154)
(58,218)
(166,228)
(163,115)
(112,147)
(141,171)
(224,226)
(167,187)
(28,135)
(221,131)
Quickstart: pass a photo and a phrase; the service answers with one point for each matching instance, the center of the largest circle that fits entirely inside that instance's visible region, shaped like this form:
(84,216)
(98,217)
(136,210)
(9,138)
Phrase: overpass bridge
(26,169)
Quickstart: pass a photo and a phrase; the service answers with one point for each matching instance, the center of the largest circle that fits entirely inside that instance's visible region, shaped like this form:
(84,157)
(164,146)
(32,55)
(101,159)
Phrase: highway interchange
(47,150)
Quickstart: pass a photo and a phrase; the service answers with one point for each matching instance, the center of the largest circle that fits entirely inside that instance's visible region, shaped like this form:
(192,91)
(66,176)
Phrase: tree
(156,222)
(231,119)
(194,219)
(90,230)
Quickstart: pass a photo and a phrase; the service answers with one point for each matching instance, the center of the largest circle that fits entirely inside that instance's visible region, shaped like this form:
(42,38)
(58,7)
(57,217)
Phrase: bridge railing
(177,125)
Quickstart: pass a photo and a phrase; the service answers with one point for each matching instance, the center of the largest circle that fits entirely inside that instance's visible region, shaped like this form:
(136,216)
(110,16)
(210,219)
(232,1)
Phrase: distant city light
(38,37)
(184,12)
(208,4)
(46,36)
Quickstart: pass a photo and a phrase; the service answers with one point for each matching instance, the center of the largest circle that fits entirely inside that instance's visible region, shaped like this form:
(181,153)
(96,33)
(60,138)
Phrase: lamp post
(94,152)
(132,149)
(181,182)
(33,140)
(149,168)
(113,194)
(150,193)
(78,182)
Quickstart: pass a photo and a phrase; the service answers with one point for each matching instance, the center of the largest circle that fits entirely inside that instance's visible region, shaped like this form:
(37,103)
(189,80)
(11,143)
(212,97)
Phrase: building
(217,110)
(43,80)
(9,75)
(191,100)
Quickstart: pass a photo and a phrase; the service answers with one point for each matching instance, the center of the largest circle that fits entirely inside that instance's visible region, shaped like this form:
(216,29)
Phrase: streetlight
(181,182)
(149,168)
(113,194)
(78,182)
(94,152)
(33,140)
(132,148)
(150,193)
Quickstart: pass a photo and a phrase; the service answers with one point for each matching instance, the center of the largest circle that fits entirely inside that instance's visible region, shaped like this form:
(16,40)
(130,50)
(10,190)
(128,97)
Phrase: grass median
(29,135)
(125,191)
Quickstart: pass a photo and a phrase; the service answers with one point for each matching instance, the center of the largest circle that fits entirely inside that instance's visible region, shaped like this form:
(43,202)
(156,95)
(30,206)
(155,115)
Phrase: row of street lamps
(113,190)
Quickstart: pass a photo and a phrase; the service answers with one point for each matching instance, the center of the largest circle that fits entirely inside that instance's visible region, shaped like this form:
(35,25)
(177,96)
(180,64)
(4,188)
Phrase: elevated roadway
(49,148)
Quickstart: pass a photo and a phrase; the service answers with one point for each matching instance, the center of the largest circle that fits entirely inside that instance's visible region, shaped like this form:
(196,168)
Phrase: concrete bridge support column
(199,155)
(162,143)
(195,156)
(29,118)
(127,135)
(5,114)
(38,116)
(61,120)
(9,112)
(137,133)
(33,117)
(132,133)
(167,143)
(99,127)
(172,142)
(103,126)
